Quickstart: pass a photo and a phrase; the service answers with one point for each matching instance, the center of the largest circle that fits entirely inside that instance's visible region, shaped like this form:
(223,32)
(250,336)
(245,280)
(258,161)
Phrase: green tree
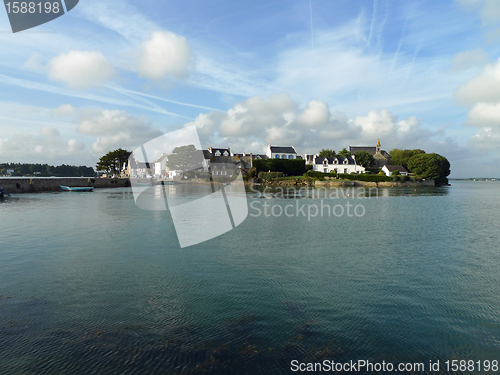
(113,161)
(364,158)
(185,159)
(290,167)
(430,166)
(344,153)
(401,157)
(327,153)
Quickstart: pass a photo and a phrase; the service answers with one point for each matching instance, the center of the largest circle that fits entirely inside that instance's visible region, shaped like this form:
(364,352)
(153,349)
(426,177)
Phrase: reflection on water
(89,283)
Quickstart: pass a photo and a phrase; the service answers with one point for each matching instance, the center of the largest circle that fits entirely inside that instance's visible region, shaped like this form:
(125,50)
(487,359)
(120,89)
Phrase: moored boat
(168,182)
(77,188)
(3,193)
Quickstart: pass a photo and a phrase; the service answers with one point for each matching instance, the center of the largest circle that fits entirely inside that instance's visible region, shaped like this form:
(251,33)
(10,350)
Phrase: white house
(278,152)
(220,151)
(141,169)
(388,169)
(338,164)
(160,165)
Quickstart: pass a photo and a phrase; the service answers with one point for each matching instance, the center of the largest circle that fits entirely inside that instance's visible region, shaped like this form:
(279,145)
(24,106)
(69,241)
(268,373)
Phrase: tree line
(45,170)
(429,166)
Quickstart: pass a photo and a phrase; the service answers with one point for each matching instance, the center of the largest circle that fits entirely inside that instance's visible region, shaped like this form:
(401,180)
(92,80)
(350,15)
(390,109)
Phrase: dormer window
(226,153)
(345,161)
(217,153)
(336,161)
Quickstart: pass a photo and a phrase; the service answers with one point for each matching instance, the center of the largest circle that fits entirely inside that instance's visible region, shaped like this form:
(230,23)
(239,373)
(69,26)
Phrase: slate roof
(207,154)
(320,159)
(369,149)
(221,150)
(392,168)
(224,159)
(283,150)
(259,156)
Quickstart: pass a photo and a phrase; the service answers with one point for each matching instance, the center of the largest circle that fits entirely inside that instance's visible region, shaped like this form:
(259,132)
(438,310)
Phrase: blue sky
(309,73)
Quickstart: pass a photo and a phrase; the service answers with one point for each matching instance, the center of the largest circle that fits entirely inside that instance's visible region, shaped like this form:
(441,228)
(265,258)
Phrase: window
(290,156)
(325,170)
(215,173)
(277,156)
(345,170)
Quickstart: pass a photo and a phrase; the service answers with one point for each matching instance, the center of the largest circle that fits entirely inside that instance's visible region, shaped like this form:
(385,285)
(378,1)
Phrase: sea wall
(33,185)
(337,183)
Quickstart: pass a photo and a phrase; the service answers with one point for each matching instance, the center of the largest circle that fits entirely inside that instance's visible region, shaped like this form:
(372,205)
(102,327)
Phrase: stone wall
(32,185)
(336,183)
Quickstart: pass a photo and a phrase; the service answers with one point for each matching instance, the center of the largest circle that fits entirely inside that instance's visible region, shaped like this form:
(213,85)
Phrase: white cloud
(34,63)
(49,131)
(252,124)
(115,128)
(81,69)
(75,146)
(165,54)
(488,10)
(316,113)
(468,59)
(44,146)
(484,114)
(483,88)
(482,95)
(63,110)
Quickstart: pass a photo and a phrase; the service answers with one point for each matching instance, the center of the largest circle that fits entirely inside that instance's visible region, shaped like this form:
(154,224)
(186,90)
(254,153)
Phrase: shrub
(365,177)
(269,175)
(291,167)
(315,175)
(252,172)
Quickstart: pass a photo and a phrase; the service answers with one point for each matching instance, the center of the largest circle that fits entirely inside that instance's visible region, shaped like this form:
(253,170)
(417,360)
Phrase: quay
(16,185)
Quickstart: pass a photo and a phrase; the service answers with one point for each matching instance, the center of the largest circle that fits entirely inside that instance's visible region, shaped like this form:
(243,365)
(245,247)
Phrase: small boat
(3,193)
(142,184)
(168,182)
(76,188)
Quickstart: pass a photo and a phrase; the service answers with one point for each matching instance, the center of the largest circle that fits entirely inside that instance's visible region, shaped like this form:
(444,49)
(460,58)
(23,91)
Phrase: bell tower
(378,147)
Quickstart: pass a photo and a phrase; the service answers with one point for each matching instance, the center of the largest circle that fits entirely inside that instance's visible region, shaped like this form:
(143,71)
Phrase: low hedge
(269,175)
(365,177)
(319,175)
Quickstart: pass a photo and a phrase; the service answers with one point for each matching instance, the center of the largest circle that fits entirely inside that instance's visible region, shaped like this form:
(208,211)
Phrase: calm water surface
(91,284)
